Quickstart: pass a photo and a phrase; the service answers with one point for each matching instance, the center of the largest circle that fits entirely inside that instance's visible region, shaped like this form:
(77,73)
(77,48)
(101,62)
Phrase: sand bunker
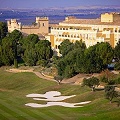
(64,104)
(53,97)
(50,96)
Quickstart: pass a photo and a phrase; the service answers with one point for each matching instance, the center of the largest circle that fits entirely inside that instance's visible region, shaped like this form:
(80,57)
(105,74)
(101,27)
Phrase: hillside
(15,86)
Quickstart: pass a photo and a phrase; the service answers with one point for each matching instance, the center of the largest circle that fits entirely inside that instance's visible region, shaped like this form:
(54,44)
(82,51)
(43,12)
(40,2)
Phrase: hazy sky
(54,3)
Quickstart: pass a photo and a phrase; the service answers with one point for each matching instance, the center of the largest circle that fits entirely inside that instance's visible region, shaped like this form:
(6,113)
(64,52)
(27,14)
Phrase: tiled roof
(91,21)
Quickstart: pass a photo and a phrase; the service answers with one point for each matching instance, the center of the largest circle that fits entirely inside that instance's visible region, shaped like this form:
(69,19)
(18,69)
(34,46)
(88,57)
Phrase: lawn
(15,86)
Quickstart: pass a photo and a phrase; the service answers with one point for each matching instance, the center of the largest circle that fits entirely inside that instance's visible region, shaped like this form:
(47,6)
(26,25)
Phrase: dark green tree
(27,49)
(43,50)
(1,56)
(117,51)
(15,37)
(3,30)
(30,56)
(69,71)
(60,65)
(80,61)
(27,41)
(93,62)
(65,47)
(7,52)
(79,44)
(9,48)
(105,53)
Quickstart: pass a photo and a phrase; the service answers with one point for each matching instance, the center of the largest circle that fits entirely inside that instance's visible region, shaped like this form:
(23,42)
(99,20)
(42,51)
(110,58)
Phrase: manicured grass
(15,86)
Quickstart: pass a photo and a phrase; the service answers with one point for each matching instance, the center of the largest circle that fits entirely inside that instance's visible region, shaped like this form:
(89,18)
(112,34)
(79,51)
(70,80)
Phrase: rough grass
(15,86)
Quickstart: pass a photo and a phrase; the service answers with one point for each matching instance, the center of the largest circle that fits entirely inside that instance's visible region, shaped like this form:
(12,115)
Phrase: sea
(27,17)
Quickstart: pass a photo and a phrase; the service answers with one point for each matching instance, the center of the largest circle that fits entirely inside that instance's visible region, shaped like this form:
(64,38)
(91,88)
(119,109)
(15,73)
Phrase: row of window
(117,30)
(87,36)
(69,28)
(73,36)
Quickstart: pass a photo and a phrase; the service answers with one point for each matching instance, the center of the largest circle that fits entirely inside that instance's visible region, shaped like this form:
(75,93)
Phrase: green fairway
(15,86)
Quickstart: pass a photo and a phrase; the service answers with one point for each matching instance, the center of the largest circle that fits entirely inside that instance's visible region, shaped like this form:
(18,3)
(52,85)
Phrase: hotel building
(91,31)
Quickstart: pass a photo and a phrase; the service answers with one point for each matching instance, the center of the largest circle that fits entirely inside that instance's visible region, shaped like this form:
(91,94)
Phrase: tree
(27,48)
(15,36)
(69,71)
(80,61)
(58,79)
(91,82)
(79,44)
(30,40)
(71,62)
(3,30)
(1,56)
(117,50)
(65,47)
(93,62)
(43,50)
(110,92)
(105,53)
(7,52)
(60,65)
(30,56)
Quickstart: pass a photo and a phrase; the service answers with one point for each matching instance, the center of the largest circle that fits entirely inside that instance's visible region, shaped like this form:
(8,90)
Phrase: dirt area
(19,70)
(79,78)
(76,80)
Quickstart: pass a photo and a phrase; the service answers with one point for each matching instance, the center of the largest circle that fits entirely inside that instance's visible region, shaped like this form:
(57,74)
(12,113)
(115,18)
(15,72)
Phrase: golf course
(14,87)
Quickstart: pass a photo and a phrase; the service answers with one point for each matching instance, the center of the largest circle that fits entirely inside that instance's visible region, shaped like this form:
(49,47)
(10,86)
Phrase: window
(56,47)
(115,30)
(43,24)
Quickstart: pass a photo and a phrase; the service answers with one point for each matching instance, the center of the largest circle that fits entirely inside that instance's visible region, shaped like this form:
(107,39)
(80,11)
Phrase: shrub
(104,79)
(58,78)
(117,66)
(117,81)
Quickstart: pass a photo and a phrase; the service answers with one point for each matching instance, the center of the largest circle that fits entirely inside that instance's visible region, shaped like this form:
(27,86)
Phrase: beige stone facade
(40,26)
(90,31)
(110,17)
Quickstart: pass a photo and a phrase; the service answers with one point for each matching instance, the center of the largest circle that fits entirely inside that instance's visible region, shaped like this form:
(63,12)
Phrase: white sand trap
(53,97)
(50,96)
(64,104)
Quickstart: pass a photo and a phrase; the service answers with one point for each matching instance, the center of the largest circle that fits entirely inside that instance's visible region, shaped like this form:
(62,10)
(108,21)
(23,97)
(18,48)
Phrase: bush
(58,79)
(104,79)
(117,81)
(111,82)
(42,62)
(117,66)
(91,82)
